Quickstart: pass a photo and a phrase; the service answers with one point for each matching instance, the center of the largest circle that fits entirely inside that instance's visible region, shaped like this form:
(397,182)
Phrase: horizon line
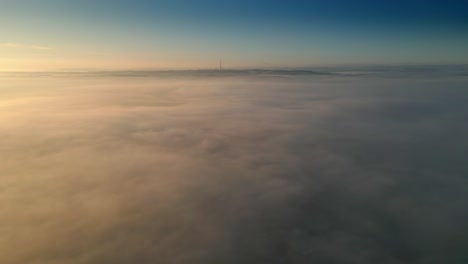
(292,68)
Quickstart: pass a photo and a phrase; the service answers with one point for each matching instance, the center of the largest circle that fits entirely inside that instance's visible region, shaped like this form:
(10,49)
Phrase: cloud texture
(292,169)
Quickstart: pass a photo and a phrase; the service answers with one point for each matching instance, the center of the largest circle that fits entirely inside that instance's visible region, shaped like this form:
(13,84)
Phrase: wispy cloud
(22,46)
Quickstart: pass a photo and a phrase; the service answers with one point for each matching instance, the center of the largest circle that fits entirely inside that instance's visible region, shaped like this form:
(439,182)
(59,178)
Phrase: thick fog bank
(297,169)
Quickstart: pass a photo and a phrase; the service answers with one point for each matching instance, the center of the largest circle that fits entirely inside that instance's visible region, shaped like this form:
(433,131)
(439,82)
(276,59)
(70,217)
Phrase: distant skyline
(175,34)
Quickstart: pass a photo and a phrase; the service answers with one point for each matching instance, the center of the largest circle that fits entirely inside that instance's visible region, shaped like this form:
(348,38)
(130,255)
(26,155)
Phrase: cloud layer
(298,169)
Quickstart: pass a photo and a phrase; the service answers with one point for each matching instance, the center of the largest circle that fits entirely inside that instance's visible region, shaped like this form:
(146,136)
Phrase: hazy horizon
(316,67)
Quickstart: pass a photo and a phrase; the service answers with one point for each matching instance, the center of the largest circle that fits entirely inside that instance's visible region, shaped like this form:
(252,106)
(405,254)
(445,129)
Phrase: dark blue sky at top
(272,12)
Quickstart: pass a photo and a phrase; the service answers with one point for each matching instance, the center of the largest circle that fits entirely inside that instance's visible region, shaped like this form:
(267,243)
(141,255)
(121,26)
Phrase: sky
(163,34)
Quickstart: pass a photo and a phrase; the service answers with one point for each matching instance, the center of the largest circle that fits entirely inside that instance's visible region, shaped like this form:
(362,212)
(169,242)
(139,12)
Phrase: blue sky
(195,34)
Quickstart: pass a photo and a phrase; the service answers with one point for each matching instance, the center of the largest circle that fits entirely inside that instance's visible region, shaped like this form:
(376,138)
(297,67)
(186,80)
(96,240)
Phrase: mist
(264,167)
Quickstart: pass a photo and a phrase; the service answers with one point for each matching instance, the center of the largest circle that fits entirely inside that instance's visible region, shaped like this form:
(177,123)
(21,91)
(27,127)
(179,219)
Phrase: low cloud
(310,169)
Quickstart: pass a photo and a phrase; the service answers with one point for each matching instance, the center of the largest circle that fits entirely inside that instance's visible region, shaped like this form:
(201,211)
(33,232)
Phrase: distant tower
(220,65)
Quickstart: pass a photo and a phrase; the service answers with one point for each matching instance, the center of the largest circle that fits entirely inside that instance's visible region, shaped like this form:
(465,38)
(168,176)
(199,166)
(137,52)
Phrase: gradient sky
(125,34)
